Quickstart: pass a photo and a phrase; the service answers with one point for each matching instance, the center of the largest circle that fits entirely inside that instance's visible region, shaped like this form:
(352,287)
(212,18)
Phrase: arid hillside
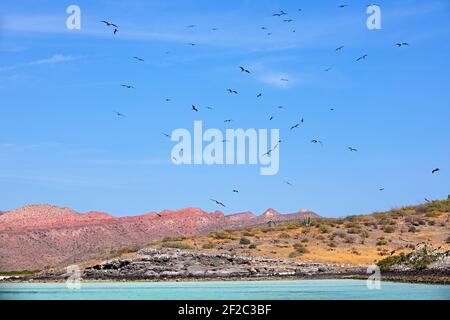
(363,239)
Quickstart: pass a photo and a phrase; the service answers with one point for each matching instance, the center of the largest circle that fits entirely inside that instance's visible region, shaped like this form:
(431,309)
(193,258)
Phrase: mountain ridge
(37,236)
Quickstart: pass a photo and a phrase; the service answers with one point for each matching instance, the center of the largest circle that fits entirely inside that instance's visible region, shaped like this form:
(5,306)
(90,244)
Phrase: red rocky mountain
(40,236)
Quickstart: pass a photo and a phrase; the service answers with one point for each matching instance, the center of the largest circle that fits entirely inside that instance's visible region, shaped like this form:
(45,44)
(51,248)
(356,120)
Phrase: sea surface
(226,290)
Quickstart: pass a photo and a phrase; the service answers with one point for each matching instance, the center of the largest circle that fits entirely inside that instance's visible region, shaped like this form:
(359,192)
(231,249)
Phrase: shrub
(332,244)
(252,246)
(221,235)
(389,229)
(448,240)
(365,234)
(340,233)
(324,229)
(353,231)
(208,245)
(412,229)
(350,239)
(299,250)
(177,245)
(284,235)
(244,241)
(305,240)
(382,242)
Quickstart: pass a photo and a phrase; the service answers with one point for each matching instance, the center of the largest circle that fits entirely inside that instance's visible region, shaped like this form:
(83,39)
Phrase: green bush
(252,246)
(244,241)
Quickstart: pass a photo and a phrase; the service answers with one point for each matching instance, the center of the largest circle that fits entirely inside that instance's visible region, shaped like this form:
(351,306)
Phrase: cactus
(306,221)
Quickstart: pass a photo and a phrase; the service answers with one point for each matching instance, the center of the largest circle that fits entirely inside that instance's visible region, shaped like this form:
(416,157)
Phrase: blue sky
(61,142)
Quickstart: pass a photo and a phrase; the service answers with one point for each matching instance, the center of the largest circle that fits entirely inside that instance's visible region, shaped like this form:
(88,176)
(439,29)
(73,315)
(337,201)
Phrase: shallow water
(226,290)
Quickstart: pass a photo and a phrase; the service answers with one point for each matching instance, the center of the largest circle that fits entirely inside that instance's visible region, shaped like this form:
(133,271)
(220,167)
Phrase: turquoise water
(222,290)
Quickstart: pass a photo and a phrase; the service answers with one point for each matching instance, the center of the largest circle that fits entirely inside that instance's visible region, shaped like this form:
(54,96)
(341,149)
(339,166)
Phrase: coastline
(411,277)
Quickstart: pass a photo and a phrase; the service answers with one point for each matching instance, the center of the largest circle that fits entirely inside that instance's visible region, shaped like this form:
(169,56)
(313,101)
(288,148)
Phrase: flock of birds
(245,70)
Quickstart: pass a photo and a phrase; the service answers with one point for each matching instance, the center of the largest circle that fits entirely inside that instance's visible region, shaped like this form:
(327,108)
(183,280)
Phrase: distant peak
(270,213)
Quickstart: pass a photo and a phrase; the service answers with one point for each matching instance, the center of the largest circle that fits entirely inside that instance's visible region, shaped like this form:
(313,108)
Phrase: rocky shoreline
(155,264)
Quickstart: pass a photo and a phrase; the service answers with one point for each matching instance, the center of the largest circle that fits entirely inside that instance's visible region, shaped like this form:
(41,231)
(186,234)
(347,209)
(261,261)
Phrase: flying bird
(288,20)
(228,120)
(259,95)
(295,126)
(401,44)
(109,24)
(327,69)
(166,135)
(128,86)
(244,70)
(279,14)
(362,57)
(352,149)
(235,191)
(426,200)
(288,183)
(118,114)
(194,108)
(316,141)
(232,91)
(139,59)
(343,6)
(436,170)
(284,79)
(218,203)
(339,48)
(381,189)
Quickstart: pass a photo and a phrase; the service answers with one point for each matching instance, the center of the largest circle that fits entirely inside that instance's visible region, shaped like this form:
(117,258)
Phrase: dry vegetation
(354,239)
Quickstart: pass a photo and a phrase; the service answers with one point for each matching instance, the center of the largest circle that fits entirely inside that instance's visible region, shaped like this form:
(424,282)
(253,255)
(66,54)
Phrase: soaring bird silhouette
(352,149)
(343,6)
(288,20)
(295,126)
(401,44)
(426,200)
(288,183)
(436,170)
(228,120)
(218,202)
(259,95)
(279,14)
(244,70)
(194,108)
(284,79)
(315,141)
(328,69)
(166,135)
(381,189)
(109,24)
(118,114)
(339,48)
(362,57)
(139,59)
(128,86)
(235,191)
(232,91)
